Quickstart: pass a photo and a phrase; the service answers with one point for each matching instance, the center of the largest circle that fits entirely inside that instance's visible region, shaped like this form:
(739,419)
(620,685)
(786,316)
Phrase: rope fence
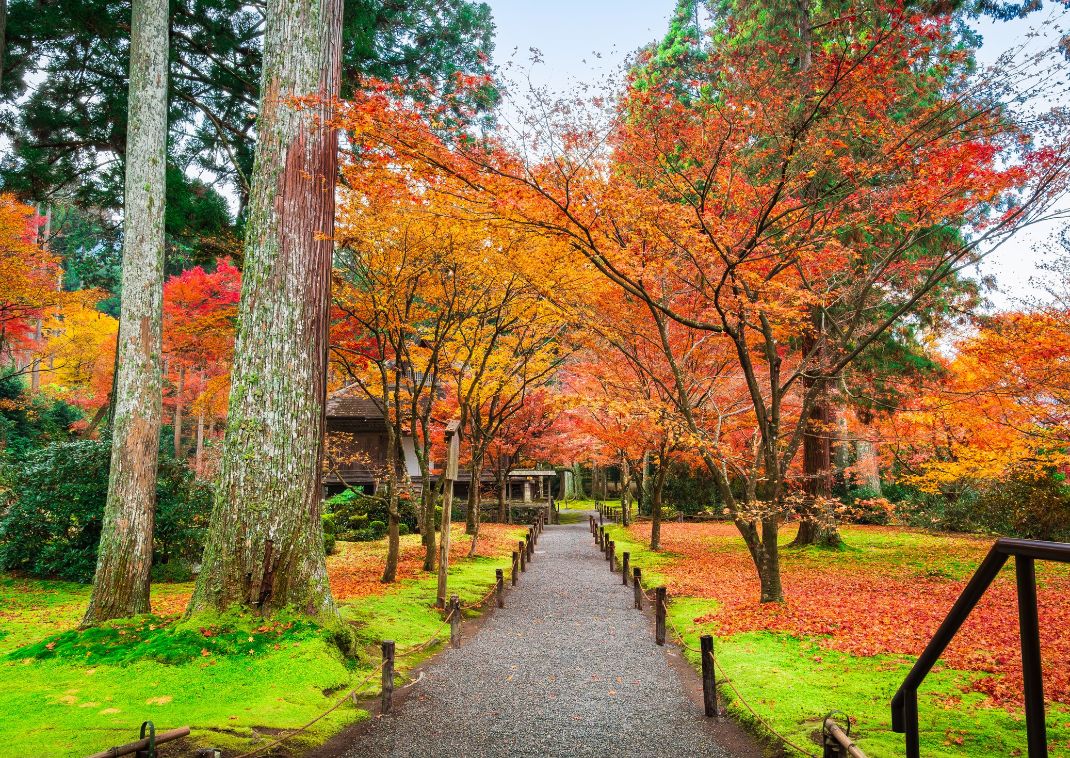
(452,619)
(836,742)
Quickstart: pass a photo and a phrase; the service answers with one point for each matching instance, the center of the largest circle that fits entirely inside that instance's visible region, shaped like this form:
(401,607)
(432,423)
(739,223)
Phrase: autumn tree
(770,197)
(502,354)
(264,548)
(121,583)
(200,309)
(402,289)
(63,147)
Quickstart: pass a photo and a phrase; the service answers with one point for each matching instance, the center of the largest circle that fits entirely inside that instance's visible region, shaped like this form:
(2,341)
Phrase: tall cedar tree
(66,145)
(265,542)
(121,584)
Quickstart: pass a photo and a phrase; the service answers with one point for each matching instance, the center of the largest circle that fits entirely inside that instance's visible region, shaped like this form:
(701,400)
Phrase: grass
(792,680)
(234,681)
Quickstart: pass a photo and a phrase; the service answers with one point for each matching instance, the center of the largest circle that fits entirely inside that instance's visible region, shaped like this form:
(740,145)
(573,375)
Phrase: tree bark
(816,527)
(178,410)
(655,507)
(473,502)
(625,490)
(265,543)
(393,535)
(199,455)
(499,482)
(868,467)
(3,36)
(121,583)
(427,536)
(471,516)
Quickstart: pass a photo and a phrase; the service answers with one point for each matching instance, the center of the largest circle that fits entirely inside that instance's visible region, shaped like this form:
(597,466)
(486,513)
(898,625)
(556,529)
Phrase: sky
(583,40)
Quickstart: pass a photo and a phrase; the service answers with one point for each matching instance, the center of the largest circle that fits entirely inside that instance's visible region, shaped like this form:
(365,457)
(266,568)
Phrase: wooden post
(659,615)
(531,548)
(590,523)
(453,441)
(612,556)
(515,568)
(523,555)
(455,622)
(637,582)
(709,675)
(626,558)
(500,576)
(388,676)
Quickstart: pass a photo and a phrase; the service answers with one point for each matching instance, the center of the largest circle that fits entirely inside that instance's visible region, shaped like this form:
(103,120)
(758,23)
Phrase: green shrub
(357,515)
(329,534)
(689,490)
(53,526)
(403,529)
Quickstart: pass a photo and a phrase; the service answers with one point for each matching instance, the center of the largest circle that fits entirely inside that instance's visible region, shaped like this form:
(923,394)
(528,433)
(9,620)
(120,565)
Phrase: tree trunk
(178,410)
(868,467)
(265,543)
(393,534)
(499,482)
(472,517)
(3,36)
(577,482)
(625,490)
(427,536)
(769,563)
(816,526)
(121,584)
(474,502)
(35,366)
(199,455)
(655,508)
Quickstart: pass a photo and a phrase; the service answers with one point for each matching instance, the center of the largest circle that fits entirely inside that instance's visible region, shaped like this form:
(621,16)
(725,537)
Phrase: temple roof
(352,402)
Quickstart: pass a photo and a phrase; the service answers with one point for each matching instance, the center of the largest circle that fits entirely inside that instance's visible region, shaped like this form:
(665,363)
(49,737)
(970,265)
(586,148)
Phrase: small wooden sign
(453,448)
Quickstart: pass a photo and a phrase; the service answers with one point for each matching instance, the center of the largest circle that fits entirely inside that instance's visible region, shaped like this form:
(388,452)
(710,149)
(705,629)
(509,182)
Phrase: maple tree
(200,311)
(29,287)
(765,203)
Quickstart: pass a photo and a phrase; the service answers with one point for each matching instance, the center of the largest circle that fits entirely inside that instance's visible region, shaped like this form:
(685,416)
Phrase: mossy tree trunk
(121,583)
(265,542)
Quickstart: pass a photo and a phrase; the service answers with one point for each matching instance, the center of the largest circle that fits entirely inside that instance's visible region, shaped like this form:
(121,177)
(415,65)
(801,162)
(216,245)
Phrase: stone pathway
(567,668)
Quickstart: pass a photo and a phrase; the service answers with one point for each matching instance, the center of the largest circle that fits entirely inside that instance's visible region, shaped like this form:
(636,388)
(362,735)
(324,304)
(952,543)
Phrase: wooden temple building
(356,457)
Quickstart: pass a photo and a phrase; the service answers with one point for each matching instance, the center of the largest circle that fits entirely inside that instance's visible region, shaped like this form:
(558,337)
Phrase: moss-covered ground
(235,680)
(792,679)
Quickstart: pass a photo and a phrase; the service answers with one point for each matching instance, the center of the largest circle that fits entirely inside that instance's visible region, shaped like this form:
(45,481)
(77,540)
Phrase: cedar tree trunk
(264,547)
(121,584)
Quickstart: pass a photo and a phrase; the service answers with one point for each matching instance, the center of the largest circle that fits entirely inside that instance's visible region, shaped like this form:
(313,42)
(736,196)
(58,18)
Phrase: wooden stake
(626,558)
(659,615)
(637,574)
(709,676)
(455,621)
(500,576)
(388,676)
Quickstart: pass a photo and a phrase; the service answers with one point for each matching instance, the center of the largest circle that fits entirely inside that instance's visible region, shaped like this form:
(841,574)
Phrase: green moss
(794,683)
(150,638)
(235,680)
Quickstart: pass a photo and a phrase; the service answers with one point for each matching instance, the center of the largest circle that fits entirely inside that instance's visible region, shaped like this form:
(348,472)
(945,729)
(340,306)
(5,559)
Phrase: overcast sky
(581,40)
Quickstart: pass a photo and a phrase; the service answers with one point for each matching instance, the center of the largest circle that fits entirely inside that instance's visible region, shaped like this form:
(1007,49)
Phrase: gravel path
(567,668)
